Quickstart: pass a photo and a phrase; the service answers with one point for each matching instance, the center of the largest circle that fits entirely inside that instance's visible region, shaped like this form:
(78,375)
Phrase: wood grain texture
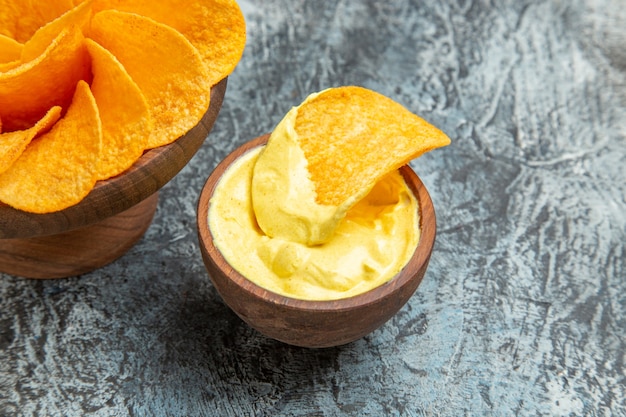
(523,308)
(77,251)
(313,324)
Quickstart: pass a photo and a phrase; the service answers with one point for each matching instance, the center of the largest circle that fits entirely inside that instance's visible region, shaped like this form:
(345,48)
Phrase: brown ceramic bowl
(107,222)
(305,323)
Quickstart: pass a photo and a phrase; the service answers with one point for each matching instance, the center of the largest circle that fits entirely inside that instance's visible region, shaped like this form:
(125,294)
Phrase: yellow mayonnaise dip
(284,197)
(371,242)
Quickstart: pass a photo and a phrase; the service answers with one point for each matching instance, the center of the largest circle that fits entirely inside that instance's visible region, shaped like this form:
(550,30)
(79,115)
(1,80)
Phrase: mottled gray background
(523,309)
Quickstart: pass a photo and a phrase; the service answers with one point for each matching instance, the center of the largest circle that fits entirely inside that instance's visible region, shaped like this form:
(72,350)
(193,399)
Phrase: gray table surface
(523,308)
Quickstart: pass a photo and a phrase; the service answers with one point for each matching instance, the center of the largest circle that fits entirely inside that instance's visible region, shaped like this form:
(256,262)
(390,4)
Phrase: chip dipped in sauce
(318,236)
(374,241)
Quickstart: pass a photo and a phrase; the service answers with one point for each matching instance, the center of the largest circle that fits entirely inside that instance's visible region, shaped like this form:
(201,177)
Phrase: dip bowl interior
(313,324)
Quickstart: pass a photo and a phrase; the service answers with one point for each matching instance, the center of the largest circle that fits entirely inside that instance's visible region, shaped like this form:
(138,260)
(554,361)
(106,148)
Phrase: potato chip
(166,67)
(215,27)
(123,111)
(20,19)
(327,154)
(352,137)
(12,144)
(10,49)
(58,169)
(43,37)
(45,82)
(6,66)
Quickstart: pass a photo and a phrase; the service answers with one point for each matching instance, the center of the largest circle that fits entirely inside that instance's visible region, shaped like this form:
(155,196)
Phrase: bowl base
(77,251)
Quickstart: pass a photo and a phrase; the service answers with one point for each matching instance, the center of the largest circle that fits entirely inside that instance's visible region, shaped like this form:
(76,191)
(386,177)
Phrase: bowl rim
(417,262)
(112,196)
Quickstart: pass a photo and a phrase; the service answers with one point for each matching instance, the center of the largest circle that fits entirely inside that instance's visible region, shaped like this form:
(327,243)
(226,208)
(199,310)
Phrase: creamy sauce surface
(373,241)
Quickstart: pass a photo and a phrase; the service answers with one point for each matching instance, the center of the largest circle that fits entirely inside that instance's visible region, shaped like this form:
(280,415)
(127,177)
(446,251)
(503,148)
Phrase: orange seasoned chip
(6,66)
(352,137)
(10,49)
(20,19)
(123,111)
(327,154)
(43,37)
(166,67)
(12,144)
(29,90)
(58,169)
(215,27)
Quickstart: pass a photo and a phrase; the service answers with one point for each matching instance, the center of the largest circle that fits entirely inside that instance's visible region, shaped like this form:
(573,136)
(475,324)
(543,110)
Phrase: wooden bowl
(305,323)
(107,222)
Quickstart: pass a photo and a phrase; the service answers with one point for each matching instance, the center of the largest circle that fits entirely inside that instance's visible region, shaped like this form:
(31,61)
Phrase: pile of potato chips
(87,86)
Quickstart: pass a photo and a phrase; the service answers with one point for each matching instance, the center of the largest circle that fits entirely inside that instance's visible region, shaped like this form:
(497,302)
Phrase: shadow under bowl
(313,324)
